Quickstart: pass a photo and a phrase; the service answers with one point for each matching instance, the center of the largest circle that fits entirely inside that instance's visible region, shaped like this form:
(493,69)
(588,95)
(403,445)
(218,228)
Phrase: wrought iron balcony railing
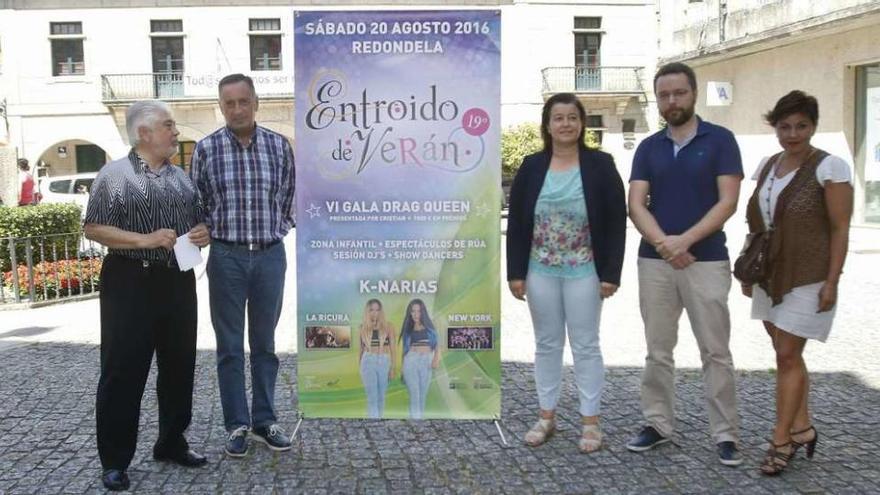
(162,85)
(583,79)
(168,86)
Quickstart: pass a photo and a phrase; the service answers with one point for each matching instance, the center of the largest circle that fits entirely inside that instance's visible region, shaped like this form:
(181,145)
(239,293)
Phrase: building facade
(68,74)
(749,53)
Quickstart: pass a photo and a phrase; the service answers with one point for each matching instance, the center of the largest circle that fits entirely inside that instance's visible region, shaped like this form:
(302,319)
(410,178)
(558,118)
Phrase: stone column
(8,176)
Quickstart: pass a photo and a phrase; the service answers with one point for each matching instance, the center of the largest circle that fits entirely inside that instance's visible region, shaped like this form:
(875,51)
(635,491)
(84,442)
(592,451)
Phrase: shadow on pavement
(47,425)
(26,332)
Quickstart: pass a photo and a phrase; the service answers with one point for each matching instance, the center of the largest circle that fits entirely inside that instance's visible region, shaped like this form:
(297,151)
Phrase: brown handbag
(752,266)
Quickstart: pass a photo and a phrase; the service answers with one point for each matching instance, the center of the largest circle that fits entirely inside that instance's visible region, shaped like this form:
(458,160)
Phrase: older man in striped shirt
(140,205)
(245,176)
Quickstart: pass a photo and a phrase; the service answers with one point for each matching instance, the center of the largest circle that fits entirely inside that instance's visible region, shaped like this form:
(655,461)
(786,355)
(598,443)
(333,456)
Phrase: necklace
(769,219)
(772,174)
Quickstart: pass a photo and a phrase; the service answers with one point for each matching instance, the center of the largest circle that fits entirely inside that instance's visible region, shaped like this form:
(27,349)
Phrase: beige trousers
(702,290)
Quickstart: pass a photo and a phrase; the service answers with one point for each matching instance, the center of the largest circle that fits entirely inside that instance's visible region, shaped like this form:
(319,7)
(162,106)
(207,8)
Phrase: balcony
(609,81)
(172,86)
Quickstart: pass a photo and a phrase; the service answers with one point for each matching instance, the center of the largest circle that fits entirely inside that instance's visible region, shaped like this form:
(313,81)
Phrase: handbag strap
(769,166)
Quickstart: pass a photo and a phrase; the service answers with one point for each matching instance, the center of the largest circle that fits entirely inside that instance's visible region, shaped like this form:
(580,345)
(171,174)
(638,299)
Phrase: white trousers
(557,304)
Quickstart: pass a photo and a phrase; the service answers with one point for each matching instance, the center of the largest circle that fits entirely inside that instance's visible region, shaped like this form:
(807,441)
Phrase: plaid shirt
(247,192)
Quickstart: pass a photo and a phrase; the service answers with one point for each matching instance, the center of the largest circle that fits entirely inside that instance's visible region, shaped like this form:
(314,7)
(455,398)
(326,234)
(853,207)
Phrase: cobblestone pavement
(49,373)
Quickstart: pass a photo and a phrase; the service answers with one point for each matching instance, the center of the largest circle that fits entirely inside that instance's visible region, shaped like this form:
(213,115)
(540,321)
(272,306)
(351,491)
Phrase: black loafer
(115,480)
(186,458)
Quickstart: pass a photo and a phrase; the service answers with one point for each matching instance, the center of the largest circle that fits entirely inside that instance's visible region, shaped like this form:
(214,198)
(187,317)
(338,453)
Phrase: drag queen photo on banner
(377,356)
(421,355)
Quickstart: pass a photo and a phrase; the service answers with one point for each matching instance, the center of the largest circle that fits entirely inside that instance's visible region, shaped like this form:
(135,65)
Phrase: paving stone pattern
(47,426)
(49,370)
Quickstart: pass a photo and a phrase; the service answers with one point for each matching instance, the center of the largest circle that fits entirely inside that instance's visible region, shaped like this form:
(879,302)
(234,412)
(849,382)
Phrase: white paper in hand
(187,253)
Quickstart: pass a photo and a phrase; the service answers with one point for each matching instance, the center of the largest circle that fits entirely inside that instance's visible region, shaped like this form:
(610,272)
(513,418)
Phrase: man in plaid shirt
(245,176)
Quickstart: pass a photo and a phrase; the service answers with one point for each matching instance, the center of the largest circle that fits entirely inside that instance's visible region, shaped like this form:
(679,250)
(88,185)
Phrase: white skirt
(796,314)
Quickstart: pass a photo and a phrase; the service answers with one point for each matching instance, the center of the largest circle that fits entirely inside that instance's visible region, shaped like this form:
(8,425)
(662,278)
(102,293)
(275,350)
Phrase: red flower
(57,278)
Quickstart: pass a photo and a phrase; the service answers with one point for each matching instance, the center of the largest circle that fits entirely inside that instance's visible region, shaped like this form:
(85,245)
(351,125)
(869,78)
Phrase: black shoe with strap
(777,460)
(809,445)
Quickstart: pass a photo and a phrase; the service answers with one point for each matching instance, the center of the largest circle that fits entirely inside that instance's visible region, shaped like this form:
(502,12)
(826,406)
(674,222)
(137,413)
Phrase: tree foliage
(517,142)
(522,140)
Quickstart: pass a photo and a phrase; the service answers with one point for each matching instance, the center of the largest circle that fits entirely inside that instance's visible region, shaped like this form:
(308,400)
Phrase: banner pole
(296,428)
(498,427)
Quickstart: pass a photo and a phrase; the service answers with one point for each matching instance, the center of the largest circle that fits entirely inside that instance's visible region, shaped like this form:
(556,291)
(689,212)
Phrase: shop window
(867,156)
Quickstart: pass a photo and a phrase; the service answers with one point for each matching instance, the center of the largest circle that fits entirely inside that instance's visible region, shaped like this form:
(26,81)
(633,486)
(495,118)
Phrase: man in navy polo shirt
(684,185)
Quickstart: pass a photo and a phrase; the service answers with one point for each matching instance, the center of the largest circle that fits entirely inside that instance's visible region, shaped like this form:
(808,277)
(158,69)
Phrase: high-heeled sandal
(591,439)
(540,432)
(810,445)
(776,461)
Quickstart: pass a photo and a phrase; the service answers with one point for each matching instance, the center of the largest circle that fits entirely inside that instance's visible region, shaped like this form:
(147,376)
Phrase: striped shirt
(128,195)
(247,191)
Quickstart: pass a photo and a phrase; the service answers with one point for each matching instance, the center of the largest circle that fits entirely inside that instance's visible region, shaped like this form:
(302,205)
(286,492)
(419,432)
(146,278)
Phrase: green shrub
(517,142)
(41,219)
(36,221)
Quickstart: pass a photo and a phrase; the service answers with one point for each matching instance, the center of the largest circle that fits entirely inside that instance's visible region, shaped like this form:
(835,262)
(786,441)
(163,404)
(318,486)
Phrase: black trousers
(144,310)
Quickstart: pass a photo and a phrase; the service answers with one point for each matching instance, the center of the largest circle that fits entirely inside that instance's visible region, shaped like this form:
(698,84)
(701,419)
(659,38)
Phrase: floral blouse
(561,238)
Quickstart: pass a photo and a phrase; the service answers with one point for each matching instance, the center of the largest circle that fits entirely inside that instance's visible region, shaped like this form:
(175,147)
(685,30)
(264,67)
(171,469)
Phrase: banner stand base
(500,432)
(497,423)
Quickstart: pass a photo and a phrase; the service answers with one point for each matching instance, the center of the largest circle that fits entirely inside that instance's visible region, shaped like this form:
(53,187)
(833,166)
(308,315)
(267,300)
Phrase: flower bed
(54,279)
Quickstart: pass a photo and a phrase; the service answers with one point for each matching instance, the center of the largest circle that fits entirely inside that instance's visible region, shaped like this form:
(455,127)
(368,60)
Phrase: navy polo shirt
(684,186)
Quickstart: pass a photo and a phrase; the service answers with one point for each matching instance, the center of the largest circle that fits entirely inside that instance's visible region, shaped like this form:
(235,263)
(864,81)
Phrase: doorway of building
(184,154)
(89,158)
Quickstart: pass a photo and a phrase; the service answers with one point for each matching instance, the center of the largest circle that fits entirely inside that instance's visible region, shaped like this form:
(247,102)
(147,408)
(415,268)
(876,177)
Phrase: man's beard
(678,116)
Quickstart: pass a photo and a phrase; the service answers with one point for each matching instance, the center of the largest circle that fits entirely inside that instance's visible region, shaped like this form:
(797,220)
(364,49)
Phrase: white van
(67,189)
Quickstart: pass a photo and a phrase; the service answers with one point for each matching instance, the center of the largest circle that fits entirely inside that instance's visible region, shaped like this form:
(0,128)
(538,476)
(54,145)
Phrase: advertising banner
(398,202)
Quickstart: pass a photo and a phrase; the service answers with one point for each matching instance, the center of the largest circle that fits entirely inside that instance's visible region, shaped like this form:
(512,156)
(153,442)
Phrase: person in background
(26,196)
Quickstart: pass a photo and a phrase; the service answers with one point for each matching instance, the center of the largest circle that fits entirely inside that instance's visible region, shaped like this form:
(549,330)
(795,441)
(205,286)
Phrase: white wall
(45,110)
(536,35)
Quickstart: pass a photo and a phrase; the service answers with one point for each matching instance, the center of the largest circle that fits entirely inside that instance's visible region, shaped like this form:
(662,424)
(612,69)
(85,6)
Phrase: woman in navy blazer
(566,232)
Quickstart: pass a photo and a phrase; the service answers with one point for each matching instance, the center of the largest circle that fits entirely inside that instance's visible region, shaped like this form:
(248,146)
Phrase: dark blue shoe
(273,436)
(115,480)
(728,454)
(237,444)
(647,439)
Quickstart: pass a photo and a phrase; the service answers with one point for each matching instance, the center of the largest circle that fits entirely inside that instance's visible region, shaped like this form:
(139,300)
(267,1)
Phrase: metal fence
(50,267)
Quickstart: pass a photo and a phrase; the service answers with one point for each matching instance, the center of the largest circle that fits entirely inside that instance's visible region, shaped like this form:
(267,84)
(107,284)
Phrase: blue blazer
(606,212)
